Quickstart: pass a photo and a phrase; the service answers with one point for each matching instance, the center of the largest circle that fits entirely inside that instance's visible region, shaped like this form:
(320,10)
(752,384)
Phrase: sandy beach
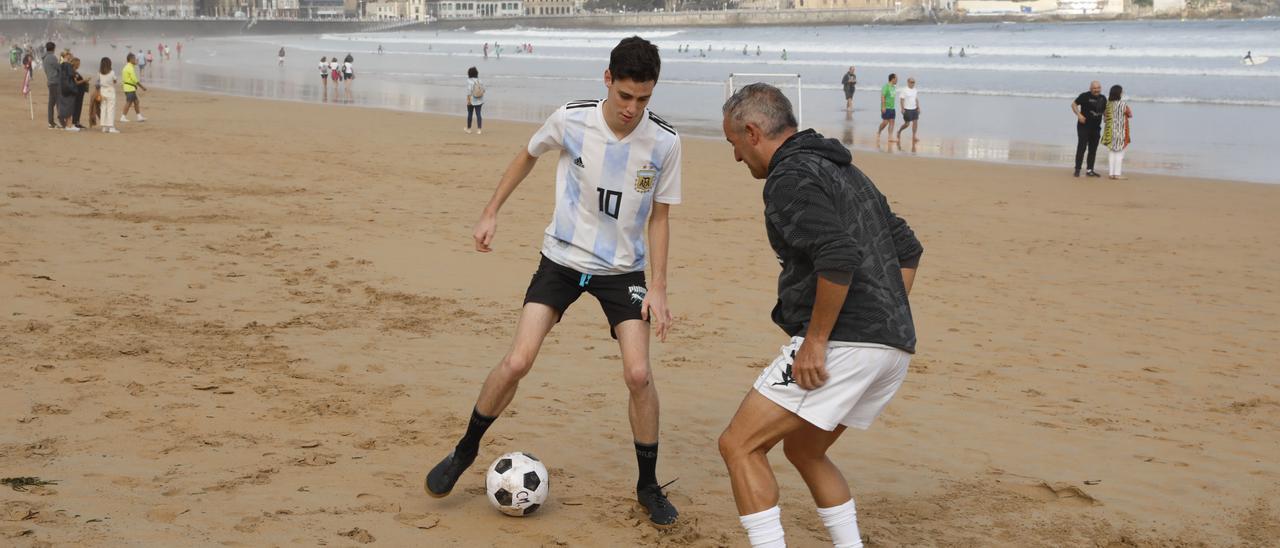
(258,323)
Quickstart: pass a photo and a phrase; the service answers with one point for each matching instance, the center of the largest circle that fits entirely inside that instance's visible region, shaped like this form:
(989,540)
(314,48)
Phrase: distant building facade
(321,9)
(386,10)
(552,7)
(471,9)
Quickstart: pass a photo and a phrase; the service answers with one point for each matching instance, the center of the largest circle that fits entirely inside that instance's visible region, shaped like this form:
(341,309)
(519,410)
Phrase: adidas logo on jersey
(578,162)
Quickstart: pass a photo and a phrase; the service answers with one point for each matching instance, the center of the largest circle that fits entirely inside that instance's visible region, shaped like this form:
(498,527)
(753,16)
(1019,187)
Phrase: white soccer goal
(788,83)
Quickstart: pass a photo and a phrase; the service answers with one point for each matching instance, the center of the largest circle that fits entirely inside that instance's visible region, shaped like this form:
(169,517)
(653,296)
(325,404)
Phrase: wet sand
(254,323)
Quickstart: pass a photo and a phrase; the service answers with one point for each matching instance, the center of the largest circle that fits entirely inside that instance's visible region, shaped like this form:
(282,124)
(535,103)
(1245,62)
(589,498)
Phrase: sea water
(1198,110)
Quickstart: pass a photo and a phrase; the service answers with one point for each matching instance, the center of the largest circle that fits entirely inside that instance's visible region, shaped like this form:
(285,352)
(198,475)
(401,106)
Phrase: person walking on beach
(888,116)
(624,162)
(349,75)
(475,99)
(106,86)
(179,50)
(1115,130)
(1088,108)
(324,76)
(335,74)
(486,51)
(848,263)
(909,99)
(850,83)
(130,83)
(141,63)
(53,77)
(280,57)
(1248,57)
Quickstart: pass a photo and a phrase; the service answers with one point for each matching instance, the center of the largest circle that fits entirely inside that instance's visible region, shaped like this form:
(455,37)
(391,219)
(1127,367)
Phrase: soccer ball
(517,484)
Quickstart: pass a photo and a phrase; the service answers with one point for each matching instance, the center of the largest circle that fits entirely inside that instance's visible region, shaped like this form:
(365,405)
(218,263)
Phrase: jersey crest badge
(645,177)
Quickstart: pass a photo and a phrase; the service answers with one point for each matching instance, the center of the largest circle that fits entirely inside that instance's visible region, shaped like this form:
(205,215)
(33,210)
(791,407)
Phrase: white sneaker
(72,128)
(479,131)
(141,118)
(110,130)
(123,119)
(468,130)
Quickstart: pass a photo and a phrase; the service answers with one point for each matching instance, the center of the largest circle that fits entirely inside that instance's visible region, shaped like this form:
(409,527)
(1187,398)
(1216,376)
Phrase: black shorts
(559,286)
(848,93)
(910,114)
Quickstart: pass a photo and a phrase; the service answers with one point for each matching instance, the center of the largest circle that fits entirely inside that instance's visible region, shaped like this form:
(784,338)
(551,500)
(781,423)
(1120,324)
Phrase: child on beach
(106,93)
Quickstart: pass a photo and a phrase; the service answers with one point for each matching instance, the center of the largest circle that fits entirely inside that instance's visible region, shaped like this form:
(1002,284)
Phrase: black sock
(469,445)
(647,461)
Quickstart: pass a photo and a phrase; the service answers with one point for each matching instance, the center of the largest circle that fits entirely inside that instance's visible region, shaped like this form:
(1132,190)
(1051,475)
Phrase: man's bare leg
(643,410)
(758,425)
(536,320)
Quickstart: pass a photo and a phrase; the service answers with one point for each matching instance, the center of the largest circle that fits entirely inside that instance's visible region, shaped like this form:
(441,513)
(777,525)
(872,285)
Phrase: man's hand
(486,227)
(654,310)
(810,364)
(1080,117)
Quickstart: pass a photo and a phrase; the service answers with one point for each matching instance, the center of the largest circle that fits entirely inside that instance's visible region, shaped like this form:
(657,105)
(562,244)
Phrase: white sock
(842,524)
(764,529)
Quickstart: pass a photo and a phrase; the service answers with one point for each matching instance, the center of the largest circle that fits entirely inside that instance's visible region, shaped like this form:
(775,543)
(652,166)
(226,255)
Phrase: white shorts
(861,379)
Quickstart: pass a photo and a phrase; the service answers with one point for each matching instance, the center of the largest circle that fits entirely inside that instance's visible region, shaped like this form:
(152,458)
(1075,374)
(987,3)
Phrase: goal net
(789,84)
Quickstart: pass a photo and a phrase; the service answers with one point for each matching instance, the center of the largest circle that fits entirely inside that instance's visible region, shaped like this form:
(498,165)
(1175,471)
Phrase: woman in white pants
(107,89)
(1115,130)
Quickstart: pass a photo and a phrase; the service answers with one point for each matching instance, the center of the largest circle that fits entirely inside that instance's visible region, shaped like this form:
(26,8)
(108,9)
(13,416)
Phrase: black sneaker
(1092,173)
(1077,172)
(441,479)
(661,512)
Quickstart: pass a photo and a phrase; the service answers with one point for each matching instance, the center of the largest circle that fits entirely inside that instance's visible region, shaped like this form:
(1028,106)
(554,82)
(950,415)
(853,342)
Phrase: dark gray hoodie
(824,215)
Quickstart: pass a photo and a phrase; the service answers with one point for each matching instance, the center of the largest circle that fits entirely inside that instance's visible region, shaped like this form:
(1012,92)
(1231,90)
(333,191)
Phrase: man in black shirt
(849,82)
(1089,108)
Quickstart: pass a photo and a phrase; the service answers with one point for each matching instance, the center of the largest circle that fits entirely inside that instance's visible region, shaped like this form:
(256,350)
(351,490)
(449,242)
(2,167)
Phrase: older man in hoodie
(847,265)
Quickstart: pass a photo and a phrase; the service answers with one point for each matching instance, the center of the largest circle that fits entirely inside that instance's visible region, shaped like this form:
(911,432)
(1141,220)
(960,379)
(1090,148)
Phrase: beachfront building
(852,4)
(1006,7)
(416,10)
(391,9)
(275,9)
(673,5)
(1168,6)
(321,9)
(471,9)
(161,8)
(1090,7)
(552,7)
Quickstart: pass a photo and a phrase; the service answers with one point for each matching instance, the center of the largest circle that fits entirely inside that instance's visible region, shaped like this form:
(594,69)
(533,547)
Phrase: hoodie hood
(811,142)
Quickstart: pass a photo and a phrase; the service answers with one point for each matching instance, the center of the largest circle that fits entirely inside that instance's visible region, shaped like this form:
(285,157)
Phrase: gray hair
(763,105)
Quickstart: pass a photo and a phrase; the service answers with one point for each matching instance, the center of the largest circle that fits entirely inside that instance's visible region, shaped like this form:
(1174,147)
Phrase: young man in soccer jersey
(847,265)
(618,173)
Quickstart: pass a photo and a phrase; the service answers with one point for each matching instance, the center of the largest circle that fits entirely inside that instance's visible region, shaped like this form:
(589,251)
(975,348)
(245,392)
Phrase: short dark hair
(635,59)
(892,75)
(473,73)
(49,46)
(1116,93)
(130,58)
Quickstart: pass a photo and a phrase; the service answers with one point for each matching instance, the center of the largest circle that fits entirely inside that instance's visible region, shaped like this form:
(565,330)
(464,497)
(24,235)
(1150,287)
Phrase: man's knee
(516,365)
(637,378)
(730,446)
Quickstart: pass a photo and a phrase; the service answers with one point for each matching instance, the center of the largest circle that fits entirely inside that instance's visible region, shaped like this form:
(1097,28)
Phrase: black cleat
(661,512)
(1092,173)
(1077,173)
(441,479)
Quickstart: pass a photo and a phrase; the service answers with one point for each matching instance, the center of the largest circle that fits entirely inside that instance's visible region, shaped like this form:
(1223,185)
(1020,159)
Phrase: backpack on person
(477,90)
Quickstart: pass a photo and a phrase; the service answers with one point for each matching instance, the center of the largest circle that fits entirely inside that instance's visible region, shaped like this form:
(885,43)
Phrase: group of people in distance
(848,263)
(340,73)
(67,90)
(891,100)
(1102,118)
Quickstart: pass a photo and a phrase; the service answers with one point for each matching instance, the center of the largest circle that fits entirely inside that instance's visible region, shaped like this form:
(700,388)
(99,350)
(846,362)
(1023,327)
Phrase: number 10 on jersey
(610,201)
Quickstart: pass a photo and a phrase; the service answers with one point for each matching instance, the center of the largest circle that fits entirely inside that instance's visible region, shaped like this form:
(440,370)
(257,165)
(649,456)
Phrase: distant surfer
(280,57)
(961,52)
(757,50)
(784,55)
(951,51)
(379,49)
(1248,57)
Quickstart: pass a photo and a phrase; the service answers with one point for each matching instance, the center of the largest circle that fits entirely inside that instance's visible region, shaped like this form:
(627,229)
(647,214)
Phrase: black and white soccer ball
(517,484)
